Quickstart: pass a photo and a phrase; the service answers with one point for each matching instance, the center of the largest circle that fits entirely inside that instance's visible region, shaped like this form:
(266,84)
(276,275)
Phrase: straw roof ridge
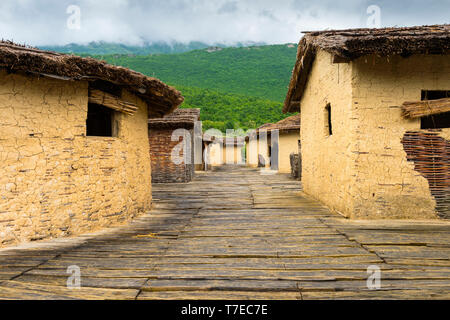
(290,123)
(265,126)
(350,44)
(179,118)
(160,97)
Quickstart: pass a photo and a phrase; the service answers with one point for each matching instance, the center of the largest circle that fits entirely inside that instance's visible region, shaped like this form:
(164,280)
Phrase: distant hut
(257,150)
(227,151)
(165,134)
(282,140)
(73,143)
(375,120)
(208,141)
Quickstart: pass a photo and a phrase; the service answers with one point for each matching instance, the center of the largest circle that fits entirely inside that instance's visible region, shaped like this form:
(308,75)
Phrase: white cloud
(212,21)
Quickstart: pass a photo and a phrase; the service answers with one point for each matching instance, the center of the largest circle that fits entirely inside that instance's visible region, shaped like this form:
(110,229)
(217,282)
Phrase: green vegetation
(231,111)
(262,72)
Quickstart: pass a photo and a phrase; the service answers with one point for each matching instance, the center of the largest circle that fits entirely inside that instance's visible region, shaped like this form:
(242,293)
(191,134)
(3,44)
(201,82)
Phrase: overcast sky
(44,22)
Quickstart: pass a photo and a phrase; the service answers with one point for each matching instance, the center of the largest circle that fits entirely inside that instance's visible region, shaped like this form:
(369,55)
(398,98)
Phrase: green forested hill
(262,72)
(235,87)
(223,111)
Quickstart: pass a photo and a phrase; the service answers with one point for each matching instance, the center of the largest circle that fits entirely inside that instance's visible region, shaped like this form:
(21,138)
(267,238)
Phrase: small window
(437,121)
(328,124)
(435,94)
(100,121)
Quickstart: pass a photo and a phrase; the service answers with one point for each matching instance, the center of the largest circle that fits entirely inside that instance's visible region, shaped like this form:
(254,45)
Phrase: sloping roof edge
(160,98)
(289,124)
(180,118)
(348,45)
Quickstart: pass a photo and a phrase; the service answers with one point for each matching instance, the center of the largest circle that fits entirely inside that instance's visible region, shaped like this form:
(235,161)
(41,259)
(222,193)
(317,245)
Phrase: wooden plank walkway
(237,234)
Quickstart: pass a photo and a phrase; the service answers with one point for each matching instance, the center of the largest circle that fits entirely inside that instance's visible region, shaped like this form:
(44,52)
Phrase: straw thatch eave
(160,98)
(180,118)
(289,124)
(348,45)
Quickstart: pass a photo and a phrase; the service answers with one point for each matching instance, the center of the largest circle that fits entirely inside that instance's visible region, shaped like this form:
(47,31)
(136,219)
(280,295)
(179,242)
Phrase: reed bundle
(110,101)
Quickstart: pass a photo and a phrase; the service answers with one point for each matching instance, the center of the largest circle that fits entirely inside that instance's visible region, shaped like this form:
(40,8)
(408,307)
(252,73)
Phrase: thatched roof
(160,98)
(348,45)
(289,124)
(265,126)
(180,118)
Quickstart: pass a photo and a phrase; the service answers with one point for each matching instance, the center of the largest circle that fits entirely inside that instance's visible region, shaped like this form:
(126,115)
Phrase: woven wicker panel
(431,156)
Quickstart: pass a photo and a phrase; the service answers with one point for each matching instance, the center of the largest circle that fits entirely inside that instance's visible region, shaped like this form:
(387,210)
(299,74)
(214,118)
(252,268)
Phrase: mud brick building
(208,142)
(278,149)
(174,134)
(73,143)
(375,122)
(227,151)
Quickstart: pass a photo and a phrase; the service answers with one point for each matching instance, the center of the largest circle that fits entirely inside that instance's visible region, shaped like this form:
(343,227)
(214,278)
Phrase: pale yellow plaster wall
(263,147)
(288,143)
(257,146)
(232,155)
(387,186)
(328,161)
(220,155)
(361,170)
(216,154)
(252,152)
(55,181)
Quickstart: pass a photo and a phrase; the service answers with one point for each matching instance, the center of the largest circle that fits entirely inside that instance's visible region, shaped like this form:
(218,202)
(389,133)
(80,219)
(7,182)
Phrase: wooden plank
(378,295)
(221,285)
(233,234)
(86,282)
(218,295)
(37,291)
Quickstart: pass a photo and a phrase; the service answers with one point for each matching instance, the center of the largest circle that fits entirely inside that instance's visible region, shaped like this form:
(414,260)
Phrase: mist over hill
(105,48)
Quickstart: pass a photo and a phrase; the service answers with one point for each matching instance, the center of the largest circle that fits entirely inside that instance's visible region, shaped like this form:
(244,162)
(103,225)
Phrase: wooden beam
(295,105)
(158,108)
(340,59)
(112,102)
(418,109)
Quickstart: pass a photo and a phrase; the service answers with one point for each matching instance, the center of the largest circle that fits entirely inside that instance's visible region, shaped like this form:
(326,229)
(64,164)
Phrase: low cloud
(211,21)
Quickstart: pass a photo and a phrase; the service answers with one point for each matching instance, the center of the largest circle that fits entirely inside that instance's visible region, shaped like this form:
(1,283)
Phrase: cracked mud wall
(328,160)
(55,181)
(388,186)
(252,152)
(288,144)
(362,170)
